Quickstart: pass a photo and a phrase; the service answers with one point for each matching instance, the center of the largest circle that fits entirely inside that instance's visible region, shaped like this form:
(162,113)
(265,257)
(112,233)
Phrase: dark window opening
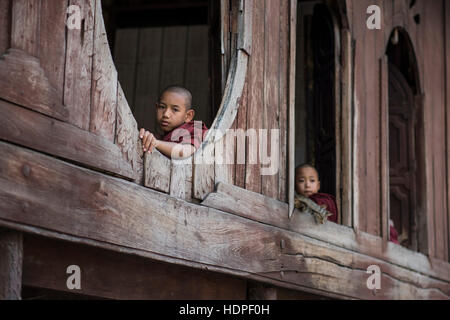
(160,43)
(315,92)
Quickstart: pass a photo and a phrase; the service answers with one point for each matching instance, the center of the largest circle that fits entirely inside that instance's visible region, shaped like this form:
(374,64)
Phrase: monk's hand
(148,140)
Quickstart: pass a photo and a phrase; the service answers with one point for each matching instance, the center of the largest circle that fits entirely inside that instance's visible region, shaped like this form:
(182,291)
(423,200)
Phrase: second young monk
(307,184)
(175,117)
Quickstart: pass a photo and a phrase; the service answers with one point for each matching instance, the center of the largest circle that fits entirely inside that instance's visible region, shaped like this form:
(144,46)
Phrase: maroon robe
(329,201)
(192,132)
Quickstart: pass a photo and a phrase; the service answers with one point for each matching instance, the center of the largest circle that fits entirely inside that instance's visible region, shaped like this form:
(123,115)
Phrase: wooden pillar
(11,254)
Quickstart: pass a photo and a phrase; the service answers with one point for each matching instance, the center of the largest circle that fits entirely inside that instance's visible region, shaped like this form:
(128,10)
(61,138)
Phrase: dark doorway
(315,114)
(405,142)
(323,108)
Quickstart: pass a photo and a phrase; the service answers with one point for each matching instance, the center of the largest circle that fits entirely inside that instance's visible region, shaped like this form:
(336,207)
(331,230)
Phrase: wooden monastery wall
(431,49)
(72,169)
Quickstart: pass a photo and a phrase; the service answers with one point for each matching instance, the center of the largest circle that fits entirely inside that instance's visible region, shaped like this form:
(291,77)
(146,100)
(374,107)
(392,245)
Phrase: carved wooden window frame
(167,175)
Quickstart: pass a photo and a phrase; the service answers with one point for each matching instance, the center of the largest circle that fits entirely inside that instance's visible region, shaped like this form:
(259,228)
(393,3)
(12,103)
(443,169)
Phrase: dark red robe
(329,201)
(193,133)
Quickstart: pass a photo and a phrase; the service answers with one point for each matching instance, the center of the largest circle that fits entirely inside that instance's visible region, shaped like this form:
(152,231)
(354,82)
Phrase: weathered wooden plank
(52,42)
(203,170)
(177,180)
(104,83)
(157,168)
(29,87)
(255,92)
(245,36)
(271,107)
(33,130)
(434,104)
(11,256)
(5,25)
(291,107)
(283,99)
(78,73)
(269,211)
(131,277)
(346,138)
(447,103)
(25,26)
(240,150)
(127,137)
(168,227)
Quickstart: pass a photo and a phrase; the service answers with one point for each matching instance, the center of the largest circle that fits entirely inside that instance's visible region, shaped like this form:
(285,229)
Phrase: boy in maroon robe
(174,115)
(307,184)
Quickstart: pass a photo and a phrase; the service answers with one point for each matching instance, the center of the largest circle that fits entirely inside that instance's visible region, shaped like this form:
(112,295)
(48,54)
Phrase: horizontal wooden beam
(42,193)
(39,132)
(269,211)
(113,275)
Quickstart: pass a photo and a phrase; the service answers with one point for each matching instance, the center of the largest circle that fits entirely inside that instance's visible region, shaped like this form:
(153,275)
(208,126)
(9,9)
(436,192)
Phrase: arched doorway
(405,140)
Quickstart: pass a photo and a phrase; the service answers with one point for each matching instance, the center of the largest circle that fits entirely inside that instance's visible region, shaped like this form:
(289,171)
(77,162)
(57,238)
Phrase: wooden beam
(11,255)
(269,211)
(131,277)
(33,130)
(46,195)
(292,67)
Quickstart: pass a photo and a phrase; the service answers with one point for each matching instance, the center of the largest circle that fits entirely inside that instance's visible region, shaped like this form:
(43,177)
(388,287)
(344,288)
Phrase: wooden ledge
(43,195)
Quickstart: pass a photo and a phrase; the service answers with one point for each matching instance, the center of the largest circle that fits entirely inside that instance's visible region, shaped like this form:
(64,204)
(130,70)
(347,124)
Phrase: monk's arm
(175,150)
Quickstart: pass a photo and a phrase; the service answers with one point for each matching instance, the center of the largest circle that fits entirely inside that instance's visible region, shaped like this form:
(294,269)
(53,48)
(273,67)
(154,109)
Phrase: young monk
(174,116)
(307,184)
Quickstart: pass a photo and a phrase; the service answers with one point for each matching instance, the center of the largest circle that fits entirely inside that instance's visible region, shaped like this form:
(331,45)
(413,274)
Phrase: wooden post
(11,254)
(292,55)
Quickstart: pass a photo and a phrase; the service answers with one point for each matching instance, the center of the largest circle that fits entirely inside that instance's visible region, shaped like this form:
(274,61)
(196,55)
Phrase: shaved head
(306,165)
(181,91)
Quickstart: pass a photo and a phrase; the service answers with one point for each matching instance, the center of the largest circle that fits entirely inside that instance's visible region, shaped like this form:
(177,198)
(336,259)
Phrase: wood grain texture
(100,208)
(131,277)
(78,72)
(30,86)
(347,123)
(25,26)
(271,107)
(434,105)
(447,123)
(157,168)
(269,211)
(36,131)
(104,83)
(11,257)
(5,25)
(283,99)
(291,103)
(127,137)
(52,42)
(255,92)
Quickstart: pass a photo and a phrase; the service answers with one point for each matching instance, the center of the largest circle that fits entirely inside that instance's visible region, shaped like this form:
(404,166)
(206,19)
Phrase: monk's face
(172,112)
(307,181)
